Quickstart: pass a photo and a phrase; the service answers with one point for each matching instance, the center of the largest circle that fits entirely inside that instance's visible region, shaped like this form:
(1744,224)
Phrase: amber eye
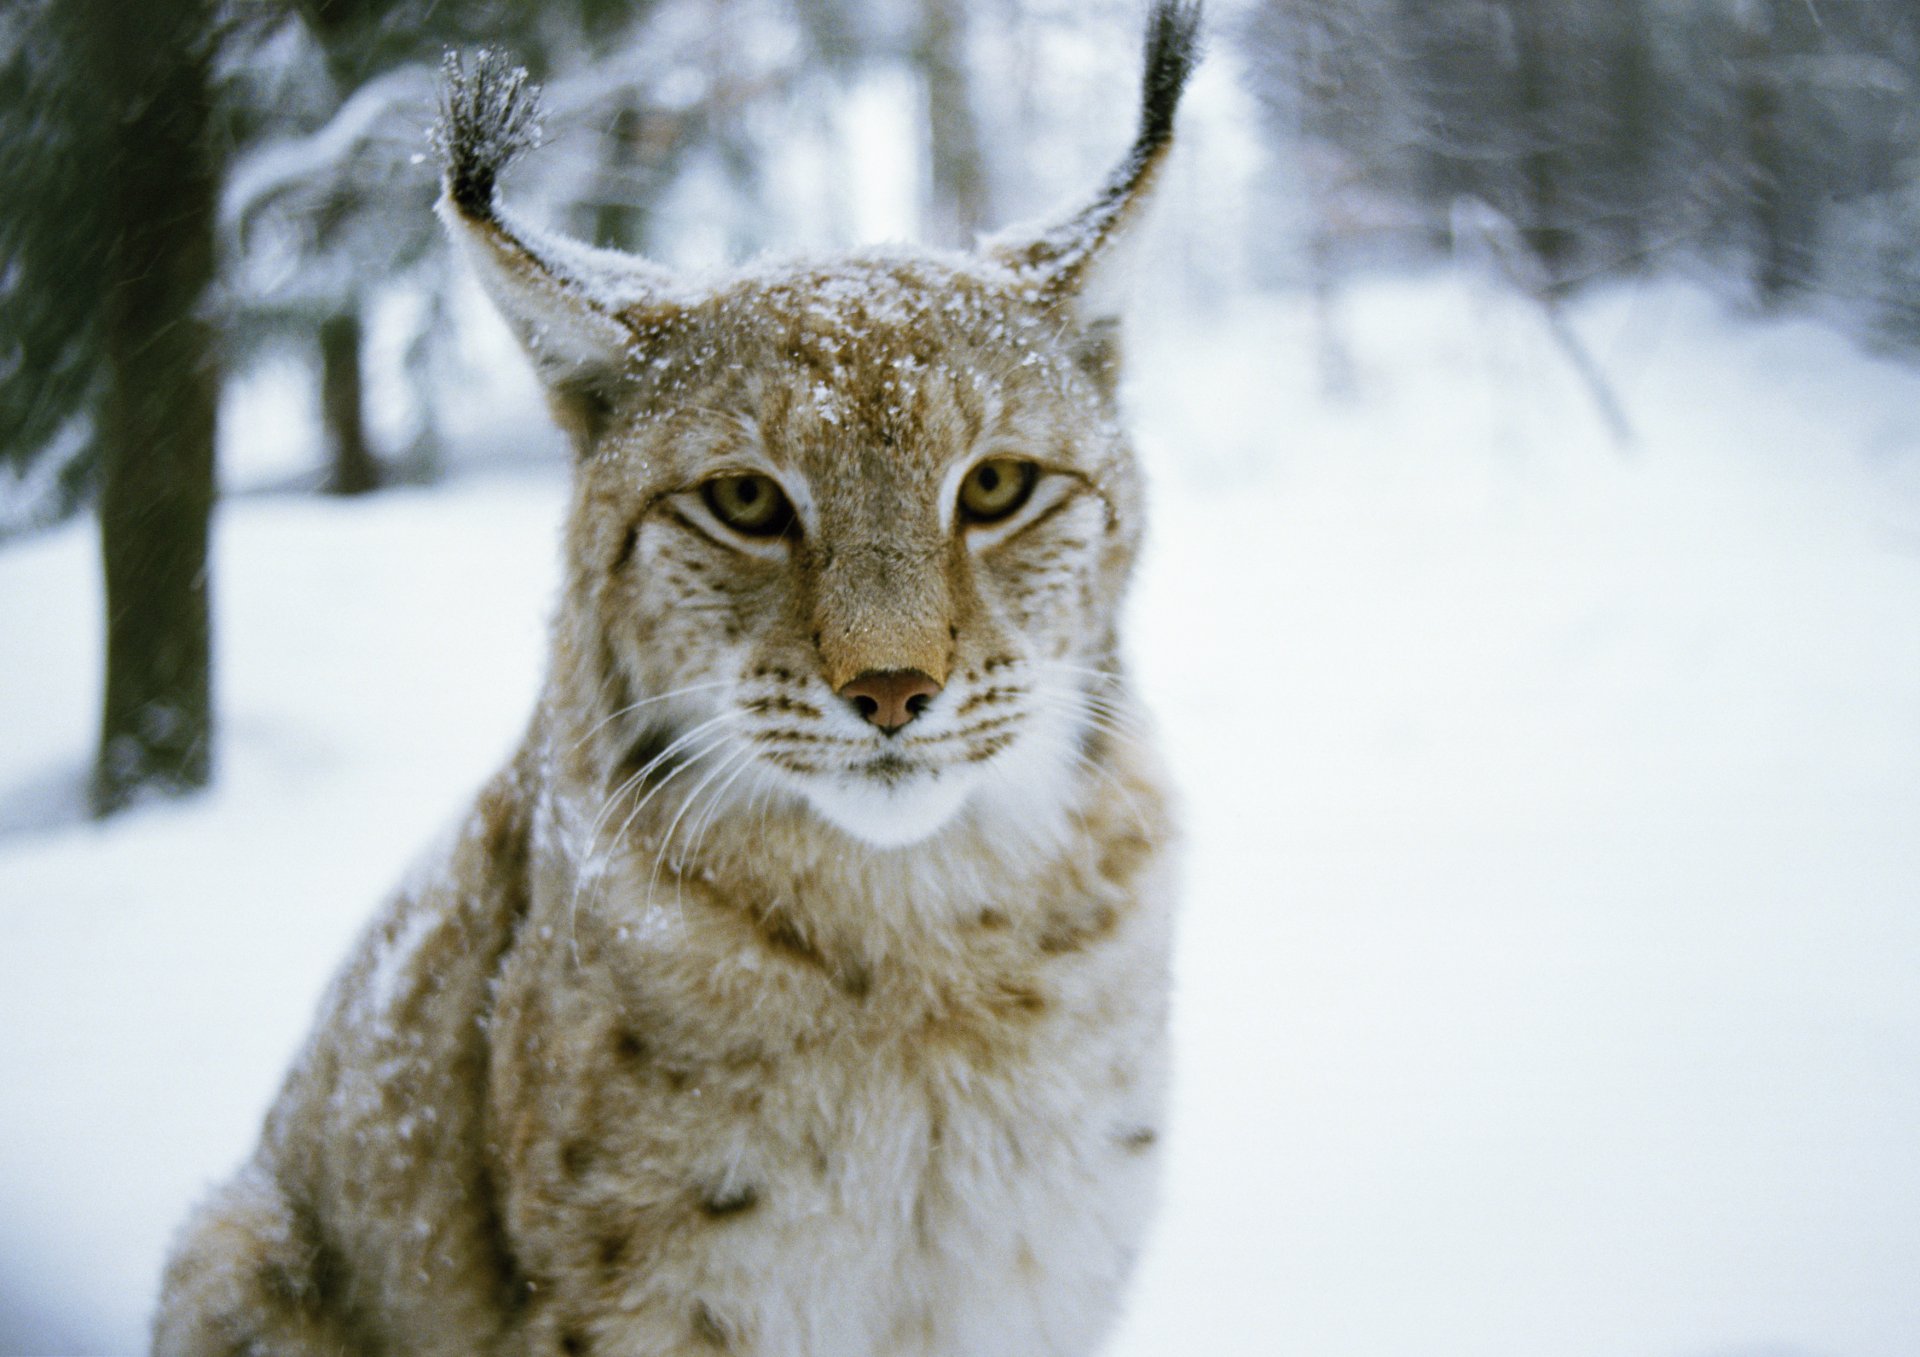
(995,488)
(749,504)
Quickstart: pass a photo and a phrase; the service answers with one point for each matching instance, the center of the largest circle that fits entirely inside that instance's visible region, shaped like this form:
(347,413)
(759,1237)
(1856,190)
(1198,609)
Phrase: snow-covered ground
(1550,977)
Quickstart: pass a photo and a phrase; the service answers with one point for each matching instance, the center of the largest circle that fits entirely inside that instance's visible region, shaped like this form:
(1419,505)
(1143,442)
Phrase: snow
(1550,969)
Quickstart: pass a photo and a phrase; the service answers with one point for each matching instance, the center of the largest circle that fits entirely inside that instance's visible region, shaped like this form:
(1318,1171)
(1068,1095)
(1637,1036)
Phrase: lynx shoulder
(801,985)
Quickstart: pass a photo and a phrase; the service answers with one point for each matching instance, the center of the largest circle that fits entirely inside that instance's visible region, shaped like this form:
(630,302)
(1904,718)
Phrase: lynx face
(889,467)
(854,532)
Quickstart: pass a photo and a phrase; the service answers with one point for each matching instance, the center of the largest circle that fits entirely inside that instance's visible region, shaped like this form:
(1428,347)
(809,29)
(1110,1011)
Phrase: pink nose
(889,698)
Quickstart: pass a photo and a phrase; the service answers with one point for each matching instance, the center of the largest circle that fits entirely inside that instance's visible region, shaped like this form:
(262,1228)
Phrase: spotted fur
(728,1022)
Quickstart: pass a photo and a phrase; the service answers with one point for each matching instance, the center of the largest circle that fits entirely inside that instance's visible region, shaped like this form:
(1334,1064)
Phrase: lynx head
(853,530)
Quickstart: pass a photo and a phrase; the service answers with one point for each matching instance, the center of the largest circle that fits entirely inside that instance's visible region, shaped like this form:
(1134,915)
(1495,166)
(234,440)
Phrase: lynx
(800,988)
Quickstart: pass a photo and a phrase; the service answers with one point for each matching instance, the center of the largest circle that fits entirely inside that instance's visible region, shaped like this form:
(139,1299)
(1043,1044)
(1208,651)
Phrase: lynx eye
(750,504)
(995,488)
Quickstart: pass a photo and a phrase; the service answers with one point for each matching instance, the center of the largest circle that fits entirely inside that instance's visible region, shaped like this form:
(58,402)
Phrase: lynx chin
(799,989)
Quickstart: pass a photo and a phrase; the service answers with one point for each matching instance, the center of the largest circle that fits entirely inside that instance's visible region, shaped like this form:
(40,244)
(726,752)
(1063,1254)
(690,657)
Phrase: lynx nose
(889,698)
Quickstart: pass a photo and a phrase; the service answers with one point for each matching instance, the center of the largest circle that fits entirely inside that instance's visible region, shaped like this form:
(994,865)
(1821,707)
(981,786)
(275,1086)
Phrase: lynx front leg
(249,1278)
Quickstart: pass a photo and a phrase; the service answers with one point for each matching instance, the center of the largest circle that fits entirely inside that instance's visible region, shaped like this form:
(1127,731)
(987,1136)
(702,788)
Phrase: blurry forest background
(198,192)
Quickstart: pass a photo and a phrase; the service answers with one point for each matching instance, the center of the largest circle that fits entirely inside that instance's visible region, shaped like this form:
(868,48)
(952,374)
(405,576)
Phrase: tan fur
(722,1025)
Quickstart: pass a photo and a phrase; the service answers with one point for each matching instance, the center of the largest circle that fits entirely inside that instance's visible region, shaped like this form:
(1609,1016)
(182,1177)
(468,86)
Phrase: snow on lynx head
(853,531)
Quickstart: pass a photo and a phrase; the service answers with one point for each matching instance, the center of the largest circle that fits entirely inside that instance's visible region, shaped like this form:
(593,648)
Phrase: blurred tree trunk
(1544,219)
(351,468)
(961,193)
(618,223)
(152,60)
(1633,91)
(1765,151)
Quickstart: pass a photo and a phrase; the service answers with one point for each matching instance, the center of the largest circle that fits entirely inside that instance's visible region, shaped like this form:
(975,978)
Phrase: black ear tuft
(1061,257)
(489,115)
(1173,50)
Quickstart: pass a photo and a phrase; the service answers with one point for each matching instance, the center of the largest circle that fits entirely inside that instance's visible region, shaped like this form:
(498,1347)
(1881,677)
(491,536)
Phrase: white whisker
(704,821)
(606,807)
(1126,794)
(587,868)
(1116,721)
(1090,671)
(666,840)
(633,707)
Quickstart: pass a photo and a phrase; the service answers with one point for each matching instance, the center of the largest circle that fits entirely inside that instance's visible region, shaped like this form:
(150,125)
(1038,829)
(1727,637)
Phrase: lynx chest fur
(800,988)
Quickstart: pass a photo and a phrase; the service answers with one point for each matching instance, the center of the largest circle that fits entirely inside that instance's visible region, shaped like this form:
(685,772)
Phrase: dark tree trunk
(1544,223)
(961,205)
(156,422)
(1408,39)
(1764,145)
(1633,90)
(351,468)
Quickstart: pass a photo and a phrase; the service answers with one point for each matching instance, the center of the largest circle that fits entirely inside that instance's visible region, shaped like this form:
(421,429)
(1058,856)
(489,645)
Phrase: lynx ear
(572,306)
(1078,264)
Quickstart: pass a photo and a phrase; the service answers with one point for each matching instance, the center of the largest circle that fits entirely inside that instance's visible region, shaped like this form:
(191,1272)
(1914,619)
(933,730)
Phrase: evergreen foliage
(56,236)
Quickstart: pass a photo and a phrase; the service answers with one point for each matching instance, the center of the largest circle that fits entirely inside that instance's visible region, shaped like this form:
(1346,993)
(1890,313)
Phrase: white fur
(890,815)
